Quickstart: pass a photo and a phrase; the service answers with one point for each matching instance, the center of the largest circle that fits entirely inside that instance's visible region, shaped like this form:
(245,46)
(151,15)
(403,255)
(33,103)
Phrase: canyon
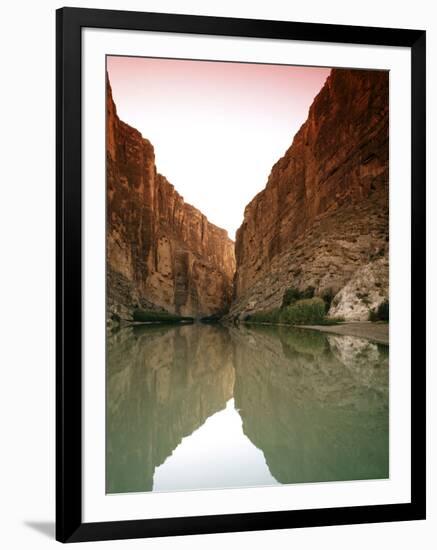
(321,223)
(162,253)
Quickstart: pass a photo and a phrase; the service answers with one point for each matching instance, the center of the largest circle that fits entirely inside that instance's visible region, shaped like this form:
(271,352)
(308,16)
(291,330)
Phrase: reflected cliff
(316,405)
(162,384)
(201,406)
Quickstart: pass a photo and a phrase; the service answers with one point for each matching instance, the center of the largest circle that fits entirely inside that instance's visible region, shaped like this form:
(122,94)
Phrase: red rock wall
(324,210)
(161,252)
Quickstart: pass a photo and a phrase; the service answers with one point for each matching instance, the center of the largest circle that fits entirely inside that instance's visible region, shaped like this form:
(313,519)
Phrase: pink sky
(217,127)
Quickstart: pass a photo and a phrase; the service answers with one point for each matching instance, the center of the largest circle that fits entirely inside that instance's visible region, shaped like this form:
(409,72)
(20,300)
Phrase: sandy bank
(378,332)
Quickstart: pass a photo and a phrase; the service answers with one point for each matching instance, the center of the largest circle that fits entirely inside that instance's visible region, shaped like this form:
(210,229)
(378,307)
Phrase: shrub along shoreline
(145,316)
(310,311)
(297,308)
(302,308)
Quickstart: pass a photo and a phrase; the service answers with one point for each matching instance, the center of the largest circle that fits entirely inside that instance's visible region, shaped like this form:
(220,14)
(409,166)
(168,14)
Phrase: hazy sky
(217,127)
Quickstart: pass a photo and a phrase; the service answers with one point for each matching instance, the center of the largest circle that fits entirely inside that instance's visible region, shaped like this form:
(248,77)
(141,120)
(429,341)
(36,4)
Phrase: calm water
(204,406)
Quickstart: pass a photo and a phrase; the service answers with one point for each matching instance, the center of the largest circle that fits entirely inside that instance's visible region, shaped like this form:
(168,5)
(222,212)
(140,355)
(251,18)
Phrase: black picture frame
(69,525)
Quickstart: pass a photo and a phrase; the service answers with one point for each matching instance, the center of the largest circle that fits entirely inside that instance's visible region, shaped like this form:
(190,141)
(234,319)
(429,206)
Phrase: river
(206,406)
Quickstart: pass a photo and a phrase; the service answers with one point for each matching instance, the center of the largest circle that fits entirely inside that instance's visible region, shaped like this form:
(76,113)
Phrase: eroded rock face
(366,290)
(324,212)
(161,252)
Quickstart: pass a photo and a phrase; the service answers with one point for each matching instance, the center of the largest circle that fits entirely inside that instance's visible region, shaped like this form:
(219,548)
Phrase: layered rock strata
(162,253)
(322,219)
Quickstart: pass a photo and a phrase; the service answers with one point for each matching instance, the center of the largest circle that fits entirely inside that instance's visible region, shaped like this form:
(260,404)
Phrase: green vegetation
(267,316)
(307,311)
(381,313)
(292,295)
(144,316)
(215,318)
(299,307)
(327,321)
(327,297)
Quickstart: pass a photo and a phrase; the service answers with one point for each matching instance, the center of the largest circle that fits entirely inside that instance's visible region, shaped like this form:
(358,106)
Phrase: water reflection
(316,405)
(199,406)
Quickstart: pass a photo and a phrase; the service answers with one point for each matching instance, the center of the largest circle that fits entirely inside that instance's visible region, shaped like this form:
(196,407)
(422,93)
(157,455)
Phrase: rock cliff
(322,219)
(162,253)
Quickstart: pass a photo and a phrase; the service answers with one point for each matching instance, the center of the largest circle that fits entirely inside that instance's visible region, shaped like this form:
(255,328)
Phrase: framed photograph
(240,274)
